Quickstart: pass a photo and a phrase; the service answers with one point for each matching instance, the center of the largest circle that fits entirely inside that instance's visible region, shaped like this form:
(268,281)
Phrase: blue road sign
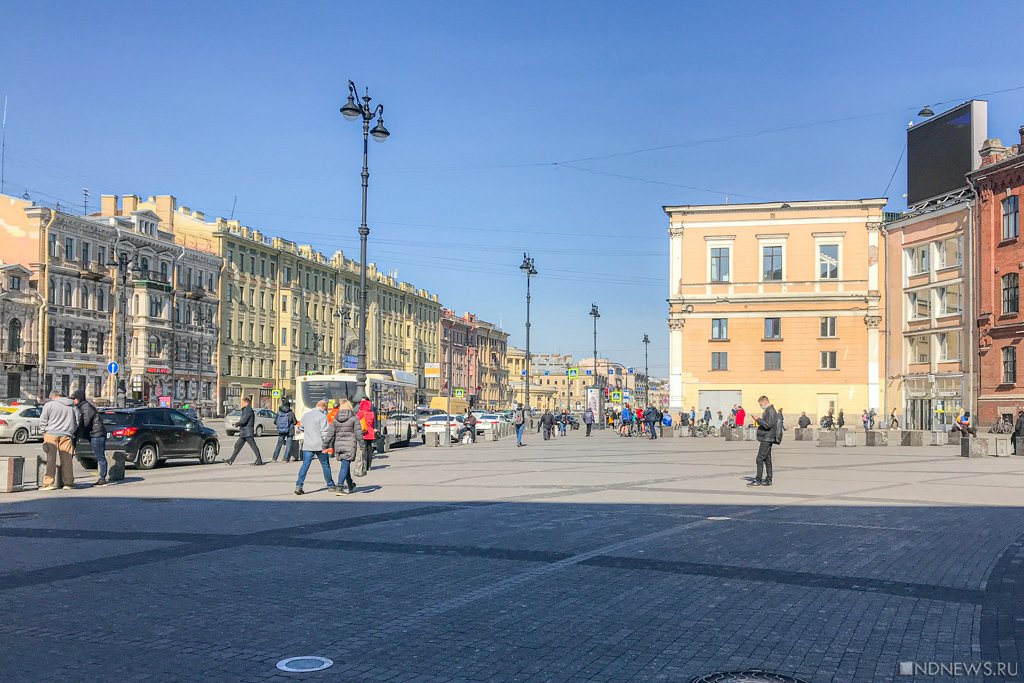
(113,367)
(523,373)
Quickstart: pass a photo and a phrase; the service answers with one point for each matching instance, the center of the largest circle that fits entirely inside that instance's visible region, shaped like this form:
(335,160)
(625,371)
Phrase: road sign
(589,373)
(572,373)
(113,367)
(629,370)
(523,373)
(460,393)
(617,396)
(276,393)
(611,371)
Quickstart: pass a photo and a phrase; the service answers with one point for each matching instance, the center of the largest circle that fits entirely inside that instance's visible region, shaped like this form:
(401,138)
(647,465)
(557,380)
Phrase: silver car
(266,422)
(20,423)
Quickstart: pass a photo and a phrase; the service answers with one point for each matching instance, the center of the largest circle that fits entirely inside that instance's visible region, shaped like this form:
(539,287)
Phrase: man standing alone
(588,419)
(246,424)
(59,424)
(767,436)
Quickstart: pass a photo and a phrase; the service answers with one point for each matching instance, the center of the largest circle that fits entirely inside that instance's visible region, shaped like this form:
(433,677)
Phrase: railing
(17,358)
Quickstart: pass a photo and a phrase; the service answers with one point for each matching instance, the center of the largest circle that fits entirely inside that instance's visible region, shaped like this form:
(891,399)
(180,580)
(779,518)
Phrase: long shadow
(566,591)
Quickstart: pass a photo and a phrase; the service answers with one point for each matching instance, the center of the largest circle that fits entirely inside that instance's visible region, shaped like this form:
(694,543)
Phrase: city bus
(392,392)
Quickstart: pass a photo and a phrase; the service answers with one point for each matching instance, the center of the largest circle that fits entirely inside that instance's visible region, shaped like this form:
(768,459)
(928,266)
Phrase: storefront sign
(159,371)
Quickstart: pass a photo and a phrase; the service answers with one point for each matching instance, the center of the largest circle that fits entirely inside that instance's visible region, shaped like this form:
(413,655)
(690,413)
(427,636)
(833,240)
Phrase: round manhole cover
(17,515)
(752,676)
(304,664)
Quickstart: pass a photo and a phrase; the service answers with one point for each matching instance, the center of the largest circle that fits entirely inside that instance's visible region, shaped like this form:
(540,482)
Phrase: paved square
(600,559)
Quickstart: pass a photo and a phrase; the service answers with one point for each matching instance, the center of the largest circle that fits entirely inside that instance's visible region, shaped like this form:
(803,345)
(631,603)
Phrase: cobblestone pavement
(600,559)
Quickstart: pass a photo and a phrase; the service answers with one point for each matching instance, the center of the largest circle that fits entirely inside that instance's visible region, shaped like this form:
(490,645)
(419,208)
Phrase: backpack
(518,419)
(778,430)
(283,422)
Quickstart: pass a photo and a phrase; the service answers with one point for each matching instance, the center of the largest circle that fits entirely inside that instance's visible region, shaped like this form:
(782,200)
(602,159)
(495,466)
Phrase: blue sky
(504,119)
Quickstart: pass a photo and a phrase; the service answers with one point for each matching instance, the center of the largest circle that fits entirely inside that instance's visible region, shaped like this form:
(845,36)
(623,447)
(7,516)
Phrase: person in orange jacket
(366,417)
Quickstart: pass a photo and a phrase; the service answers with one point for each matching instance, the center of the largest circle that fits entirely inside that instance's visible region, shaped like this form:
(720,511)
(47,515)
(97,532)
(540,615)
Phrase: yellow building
(783,299)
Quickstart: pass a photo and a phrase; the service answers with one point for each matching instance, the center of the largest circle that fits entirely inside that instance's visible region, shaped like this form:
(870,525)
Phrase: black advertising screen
(939,154)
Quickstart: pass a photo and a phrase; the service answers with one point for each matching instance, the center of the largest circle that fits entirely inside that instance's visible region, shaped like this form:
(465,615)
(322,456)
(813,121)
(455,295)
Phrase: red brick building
(999,184)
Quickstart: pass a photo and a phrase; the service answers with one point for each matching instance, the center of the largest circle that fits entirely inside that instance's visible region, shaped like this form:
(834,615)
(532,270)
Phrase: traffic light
(607,392)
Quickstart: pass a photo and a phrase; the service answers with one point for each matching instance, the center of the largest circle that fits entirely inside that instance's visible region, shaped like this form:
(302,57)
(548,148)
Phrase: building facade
(999,186)
(492,350)
(781,298)
(928,347)
(20,305)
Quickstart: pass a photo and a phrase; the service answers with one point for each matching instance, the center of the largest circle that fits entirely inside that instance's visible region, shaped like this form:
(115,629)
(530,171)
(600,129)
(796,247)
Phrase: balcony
(18,358)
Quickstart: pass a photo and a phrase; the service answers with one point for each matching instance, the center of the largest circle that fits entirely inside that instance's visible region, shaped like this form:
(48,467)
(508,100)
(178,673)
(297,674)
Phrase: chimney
(165,205)
(108,204)
(129,204)
(992,151)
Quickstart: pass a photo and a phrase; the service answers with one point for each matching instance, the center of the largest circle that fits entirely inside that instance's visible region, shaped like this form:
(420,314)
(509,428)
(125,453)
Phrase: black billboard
(940,152)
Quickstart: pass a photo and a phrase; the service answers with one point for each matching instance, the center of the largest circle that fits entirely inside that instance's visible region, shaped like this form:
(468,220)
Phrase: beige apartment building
(929,348)
(780,298)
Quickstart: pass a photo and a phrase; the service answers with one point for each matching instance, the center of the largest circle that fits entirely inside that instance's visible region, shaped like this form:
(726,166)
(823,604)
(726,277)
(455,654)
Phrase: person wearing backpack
(285,423)
(769,433)
(519,423)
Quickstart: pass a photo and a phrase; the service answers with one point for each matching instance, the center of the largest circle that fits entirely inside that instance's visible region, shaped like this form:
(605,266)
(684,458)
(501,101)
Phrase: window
(101,346)
(240,327)
(273,270)
(772,360)
(83,346)
(284,337)
(69,248)
(67,295)
(1010,217)
(950,254)
(86,249)
(67,340)
(949,345)
(719,360)
(252,265)
(230,292)
(827,327)
(97,386)
(949,299)
(284,303)
(14,336)
(919,350)
(231,256)
(288,274)
(773,328)
(772,260)
(164,272)
(101,300)
(720,328)
(252,294)
(828,261)
(83,298)
(828,359)
(156,306)
(144,265)
(920,305)
(720,264)
(1011,294)
(251,327)
(154,347)
(1009,365)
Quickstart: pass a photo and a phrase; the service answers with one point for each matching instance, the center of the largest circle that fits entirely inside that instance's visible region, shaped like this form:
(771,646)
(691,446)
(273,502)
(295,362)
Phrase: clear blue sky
(207,101)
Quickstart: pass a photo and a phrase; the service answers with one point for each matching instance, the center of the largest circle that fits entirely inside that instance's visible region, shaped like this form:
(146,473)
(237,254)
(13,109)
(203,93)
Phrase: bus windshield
(325,389)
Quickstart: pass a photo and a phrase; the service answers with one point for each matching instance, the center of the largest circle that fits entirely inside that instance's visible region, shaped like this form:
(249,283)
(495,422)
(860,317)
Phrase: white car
(436,425)
(20,423)
(486,422)
(266,422)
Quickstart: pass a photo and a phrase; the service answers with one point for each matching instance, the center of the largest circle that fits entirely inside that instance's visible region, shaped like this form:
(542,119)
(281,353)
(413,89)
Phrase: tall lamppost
(354,111)
(647,378)
(530,271)
(344,316)
(127,267)
(595,314)
(318,339)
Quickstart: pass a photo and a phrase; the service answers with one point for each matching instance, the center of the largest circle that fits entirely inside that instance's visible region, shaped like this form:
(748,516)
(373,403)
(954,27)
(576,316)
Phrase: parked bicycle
(704,429)
(1003,426)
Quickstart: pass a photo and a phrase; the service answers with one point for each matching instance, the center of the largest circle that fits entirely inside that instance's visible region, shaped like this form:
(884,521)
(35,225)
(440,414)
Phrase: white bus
(392,392)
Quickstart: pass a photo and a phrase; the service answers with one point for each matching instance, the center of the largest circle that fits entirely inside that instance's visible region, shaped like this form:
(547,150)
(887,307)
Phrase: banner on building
(432,370)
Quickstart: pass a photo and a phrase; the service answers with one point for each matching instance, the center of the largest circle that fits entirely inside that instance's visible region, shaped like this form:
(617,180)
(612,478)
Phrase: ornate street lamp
(530,271)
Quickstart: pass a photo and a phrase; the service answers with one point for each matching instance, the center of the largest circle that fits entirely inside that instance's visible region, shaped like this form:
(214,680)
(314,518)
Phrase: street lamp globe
(379,132)
(350,110)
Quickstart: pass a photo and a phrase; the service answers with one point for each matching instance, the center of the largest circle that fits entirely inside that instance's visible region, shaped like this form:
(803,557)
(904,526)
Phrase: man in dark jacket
(768,428)
(651,417)
(285,432)
(1018,430)
(91,427)
(547,421)
(246,424)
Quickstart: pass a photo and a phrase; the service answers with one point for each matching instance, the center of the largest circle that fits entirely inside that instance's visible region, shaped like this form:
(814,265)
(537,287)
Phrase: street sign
(431,369)
(617,396)
(276,393)
(611,371)
(589,373)
(523,373)
(113,367)
(460,393)
(547,372)
(629,370)
(572,373)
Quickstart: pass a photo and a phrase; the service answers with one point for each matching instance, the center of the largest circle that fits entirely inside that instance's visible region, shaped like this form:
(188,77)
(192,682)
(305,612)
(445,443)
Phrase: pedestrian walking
(246,425)
(547,421)
(519,424)
(626,420)
(314,428)
(588,419)
(367,422)
(563,423)
(864,419)
(768,434)
(342,440)
(893,422)
(285,431)
(91,427)
(59,424)
(842,418)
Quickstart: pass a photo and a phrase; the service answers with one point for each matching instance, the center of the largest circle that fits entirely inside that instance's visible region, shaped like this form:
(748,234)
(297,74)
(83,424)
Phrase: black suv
(148,436)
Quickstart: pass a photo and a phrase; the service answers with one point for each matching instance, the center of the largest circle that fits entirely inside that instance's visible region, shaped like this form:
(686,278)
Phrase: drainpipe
(885,376)
(44,310)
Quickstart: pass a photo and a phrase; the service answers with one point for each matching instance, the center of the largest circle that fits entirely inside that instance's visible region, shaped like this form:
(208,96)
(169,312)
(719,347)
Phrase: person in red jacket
(741,416)
(366,416)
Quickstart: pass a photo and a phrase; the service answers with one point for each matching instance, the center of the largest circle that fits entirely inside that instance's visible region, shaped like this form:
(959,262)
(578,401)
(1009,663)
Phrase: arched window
(144,265)
(101,300)
(14,336)
(53,291)
(154,347)
(67,295)
(83,298)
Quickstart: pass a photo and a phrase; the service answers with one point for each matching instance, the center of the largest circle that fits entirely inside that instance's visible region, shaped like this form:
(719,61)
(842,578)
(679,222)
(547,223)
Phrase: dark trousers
(99,449)
(588,428)
(285,441)
(764,460)
(547,432)
(242,440)
(650,430)
(369,445)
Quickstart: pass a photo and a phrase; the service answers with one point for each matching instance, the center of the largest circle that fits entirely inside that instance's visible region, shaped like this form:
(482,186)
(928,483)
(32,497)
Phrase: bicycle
(1002,427)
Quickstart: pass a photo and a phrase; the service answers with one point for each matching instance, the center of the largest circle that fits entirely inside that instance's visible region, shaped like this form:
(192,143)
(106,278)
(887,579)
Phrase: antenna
(85,200)
(3,150)
(233,208)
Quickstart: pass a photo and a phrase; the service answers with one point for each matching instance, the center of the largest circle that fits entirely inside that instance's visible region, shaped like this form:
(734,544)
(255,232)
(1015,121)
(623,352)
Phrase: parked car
(149,436)
(485,422)
(436,424)
(19,423)
(266,422)
(14,401)
(423,413)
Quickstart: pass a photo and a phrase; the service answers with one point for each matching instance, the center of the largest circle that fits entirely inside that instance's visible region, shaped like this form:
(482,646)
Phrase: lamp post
(647,379)
(344,316)
(354,111)
(530,271)
(126,268)
(318,338)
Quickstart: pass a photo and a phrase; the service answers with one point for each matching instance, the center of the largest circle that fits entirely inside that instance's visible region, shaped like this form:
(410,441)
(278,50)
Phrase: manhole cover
(752,676)
(17,515)
(304,664)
